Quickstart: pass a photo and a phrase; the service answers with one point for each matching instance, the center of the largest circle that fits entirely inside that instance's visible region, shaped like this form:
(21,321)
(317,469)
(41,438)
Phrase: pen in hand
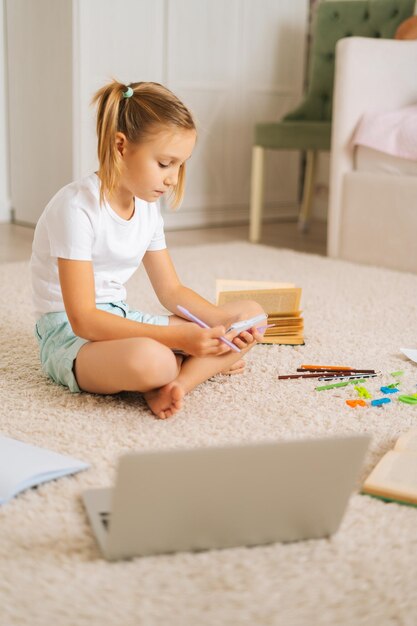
(202,324)
(262,329)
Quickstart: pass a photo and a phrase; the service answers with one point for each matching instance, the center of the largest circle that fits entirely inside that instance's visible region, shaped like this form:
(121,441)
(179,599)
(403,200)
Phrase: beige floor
(16,241)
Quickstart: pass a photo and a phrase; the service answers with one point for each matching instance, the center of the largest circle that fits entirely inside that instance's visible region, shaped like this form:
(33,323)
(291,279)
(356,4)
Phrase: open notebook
(23,466)
(395,476)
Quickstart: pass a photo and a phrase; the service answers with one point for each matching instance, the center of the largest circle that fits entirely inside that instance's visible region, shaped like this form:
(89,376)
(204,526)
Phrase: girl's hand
(197,341)
(246,338)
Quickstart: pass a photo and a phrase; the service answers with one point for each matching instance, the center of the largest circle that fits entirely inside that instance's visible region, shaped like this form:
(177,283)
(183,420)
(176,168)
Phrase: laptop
(221,497)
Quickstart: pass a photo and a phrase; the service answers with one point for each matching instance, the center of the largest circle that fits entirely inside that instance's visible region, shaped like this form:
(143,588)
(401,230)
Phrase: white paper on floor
(410,353)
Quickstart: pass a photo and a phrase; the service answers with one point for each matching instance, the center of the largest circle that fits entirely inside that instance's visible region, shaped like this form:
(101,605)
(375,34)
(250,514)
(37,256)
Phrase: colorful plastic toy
(410,399)
(389,389)
(355,403)
(363,392)
(380,401)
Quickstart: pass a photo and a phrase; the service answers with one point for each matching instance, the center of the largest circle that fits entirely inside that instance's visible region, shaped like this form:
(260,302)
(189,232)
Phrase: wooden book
(394,478)
(281,302)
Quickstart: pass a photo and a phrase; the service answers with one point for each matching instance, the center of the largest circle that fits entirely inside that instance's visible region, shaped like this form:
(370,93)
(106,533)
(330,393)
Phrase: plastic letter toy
(355,403)
(389,389)
(380,401)
(363,392)
(411,399)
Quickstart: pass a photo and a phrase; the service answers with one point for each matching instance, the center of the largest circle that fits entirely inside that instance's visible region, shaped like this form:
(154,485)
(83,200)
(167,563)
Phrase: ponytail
(135,110)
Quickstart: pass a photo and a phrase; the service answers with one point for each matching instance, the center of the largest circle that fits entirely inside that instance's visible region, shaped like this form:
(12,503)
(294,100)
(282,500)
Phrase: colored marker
(348,377)
(202,324)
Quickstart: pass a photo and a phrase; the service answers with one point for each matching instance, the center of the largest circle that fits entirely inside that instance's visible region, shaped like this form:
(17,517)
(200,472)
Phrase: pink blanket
(393,132)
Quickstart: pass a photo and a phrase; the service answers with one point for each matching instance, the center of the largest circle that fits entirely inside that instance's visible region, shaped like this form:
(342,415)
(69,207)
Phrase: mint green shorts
(59,346)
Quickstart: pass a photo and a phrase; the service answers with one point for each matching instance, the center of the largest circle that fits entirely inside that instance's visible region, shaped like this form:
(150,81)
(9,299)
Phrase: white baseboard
(5,211)
(219,216)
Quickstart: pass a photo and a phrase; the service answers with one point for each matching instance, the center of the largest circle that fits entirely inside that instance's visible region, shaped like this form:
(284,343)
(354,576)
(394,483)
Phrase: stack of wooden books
(281,302)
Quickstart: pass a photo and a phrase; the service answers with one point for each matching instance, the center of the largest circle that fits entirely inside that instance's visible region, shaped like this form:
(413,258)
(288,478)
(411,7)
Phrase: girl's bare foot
(165,401)
(236,368)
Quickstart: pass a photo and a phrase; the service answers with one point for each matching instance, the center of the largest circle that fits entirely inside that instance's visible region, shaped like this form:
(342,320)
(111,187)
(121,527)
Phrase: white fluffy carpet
(50,568)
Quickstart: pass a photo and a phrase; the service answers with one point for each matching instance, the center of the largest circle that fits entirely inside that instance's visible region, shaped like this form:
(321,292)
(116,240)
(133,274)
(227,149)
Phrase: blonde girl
(91,238)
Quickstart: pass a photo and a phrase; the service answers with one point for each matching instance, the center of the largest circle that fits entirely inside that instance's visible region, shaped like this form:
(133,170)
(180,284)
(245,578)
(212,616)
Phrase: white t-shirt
(75,226)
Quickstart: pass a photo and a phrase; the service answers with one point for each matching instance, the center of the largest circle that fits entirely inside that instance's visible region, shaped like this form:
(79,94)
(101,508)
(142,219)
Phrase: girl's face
(151,168)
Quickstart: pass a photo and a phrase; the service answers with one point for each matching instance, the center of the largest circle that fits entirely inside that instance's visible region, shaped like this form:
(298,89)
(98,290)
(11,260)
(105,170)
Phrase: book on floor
(23,465)
(394,477)
(280,301)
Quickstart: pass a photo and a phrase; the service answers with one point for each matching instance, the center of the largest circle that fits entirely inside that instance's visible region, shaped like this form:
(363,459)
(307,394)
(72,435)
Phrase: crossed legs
(147,366)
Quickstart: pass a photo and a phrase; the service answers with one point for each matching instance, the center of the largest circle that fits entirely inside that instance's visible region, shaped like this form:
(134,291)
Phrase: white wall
(234,62)
(123,40)
(4,185)
(254,72)
(39,49)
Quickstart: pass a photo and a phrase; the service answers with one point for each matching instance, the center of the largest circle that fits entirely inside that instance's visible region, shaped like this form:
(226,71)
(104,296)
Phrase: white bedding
(386,142)
(369,160)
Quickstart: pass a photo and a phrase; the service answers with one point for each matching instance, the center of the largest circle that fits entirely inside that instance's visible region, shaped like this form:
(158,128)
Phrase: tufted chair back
(333,21)
(309,126)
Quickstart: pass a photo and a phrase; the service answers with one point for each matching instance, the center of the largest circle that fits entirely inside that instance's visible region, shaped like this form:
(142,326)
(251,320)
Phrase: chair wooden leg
(308,191)
(256,197)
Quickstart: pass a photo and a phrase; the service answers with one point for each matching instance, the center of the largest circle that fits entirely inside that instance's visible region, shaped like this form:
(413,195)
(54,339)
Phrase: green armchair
(308,127)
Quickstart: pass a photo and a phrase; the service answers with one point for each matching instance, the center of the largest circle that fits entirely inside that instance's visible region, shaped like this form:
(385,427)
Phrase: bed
(373,164)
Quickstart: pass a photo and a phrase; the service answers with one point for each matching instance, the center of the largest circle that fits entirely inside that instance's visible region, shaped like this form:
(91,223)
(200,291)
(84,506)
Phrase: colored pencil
(316,375)
(326,367)
(326,376)
(334,369)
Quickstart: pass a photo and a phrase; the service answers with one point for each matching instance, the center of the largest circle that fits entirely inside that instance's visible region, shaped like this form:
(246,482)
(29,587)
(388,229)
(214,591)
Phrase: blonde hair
(150,108)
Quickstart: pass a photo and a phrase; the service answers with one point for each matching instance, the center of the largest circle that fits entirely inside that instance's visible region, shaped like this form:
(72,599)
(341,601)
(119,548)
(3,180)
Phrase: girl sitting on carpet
(91,238)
